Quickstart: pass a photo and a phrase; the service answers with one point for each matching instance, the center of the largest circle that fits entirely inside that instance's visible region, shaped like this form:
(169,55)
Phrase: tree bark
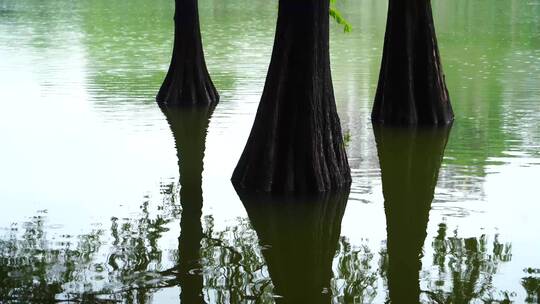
(189,126)
(410,160)
(299,235)
(187,81)
(411,89)
(296,144)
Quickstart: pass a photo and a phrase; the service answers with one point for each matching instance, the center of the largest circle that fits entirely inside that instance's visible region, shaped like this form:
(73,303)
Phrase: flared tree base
(296,144)
(289,153)
(187,82)
(188,88)
(412,88)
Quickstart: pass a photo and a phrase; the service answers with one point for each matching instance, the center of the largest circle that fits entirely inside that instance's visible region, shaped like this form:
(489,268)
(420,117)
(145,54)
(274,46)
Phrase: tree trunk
(189,126)
(296,144)
(299,235)
(187,81)
(410,162)
(412,89)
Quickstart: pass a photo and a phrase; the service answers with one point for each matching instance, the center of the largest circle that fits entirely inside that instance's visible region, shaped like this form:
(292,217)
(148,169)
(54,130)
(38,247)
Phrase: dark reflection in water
(410,160)
(463,268)
(531,283)
(466,267)
(299,237)
(31,271)
(36,267)
(189,126)
(302,257)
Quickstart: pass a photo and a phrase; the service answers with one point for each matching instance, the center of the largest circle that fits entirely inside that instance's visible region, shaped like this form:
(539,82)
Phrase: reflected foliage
(531,283)
(355,278)
(465,268)
(300,256)
(234,267)
(135,256)
(35,268)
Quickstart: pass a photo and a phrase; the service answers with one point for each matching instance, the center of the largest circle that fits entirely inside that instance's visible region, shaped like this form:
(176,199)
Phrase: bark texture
(410,160)
(300,237)
(187,81)
(412,89)
(189,126)
(296,143)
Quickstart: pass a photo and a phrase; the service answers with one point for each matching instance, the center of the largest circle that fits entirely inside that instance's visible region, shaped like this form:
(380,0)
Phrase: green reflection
(531,283)
(134,257)
(466,268)
(491,52)
(32,270)
(189,126)
(129,45)
(299,237)
(127,48)
(355,279)
(410,160)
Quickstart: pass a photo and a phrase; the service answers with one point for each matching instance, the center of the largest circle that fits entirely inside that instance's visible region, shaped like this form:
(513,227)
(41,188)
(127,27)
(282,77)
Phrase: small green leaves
(334,13)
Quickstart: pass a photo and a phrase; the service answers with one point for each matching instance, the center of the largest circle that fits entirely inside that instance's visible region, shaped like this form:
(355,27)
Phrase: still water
(104,197)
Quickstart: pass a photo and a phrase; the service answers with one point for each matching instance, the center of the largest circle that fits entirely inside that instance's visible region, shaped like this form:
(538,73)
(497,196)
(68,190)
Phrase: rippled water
(101,191)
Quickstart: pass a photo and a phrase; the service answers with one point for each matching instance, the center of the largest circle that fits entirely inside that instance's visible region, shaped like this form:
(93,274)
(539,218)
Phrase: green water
(101,192)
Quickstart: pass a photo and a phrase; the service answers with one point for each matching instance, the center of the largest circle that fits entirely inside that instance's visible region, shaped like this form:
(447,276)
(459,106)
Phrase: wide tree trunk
(299,235)
(412,89)
(296,144)
(187,81)
(189,126)
(410,160)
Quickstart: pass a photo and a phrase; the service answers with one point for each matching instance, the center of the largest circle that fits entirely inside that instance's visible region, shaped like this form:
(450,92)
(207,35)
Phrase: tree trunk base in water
(411,89)
(296,144)
(187,81)
(188,86)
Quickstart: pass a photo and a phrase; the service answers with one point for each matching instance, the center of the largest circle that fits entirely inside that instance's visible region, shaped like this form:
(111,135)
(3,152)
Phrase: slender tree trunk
(189,126)
(300,236)
(187,81)
(410,160)
(412,89)
(296,143)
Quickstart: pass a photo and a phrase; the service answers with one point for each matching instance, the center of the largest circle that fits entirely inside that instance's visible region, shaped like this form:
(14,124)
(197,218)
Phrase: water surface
(107,197)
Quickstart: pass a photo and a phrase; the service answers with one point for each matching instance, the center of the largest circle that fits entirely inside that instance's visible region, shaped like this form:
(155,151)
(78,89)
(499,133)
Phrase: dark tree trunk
(187,81)
(296,144)
(410,160)
(300,237)
(189,126)
(412,89)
